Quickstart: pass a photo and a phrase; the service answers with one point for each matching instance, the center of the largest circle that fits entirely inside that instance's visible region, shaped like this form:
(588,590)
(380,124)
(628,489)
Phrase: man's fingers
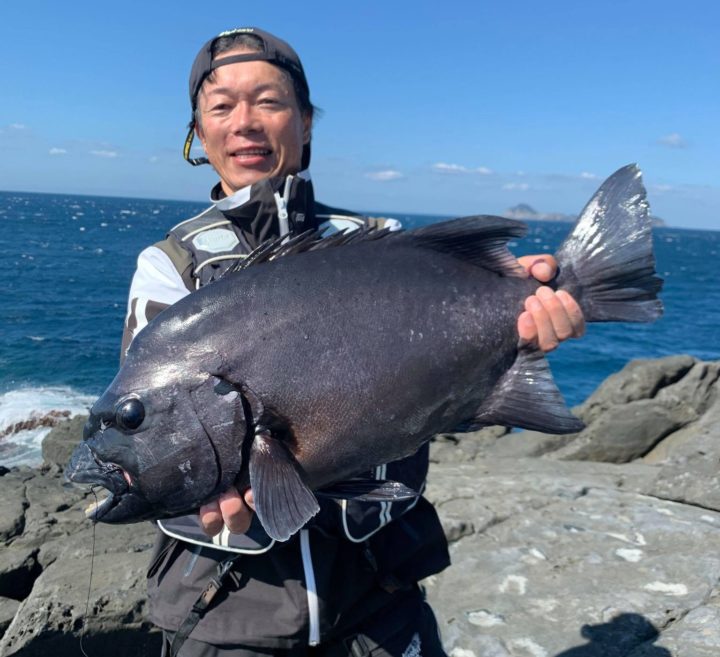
(211,518)
(546,340)
(231,509)
(541,267)
(561,324)
(574,313)
(526,328)
(249,499)
(553,317)
(550,317)
(235,512)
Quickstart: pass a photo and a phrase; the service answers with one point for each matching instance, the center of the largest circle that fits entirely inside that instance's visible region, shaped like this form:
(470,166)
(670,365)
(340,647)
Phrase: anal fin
(283,501)
(526,396)
(368,490)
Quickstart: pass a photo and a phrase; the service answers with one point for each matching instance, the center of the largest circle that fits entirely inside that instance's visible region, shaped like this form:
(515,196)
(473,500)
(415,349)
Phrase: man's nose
(245,119)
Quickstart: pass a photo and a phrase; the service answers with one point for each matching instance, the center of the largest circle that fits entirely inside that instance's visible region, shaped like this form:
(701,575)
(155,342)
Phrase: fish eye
(129,414)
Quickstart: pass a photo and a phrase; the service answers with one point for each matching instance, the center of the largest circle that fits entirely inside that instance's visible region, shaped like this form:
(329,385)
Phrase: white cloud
(523,187)
(18,126)
(385,176)
(673,140)
(588,176)
(153,158)
(108,154)
(663,188)
(57,151)
(444,167)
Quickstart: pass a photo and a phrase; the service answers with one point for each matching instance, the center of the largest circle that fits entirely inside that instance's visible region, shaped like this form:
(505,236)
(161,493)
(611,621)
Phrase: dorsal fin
(480,239)
(310,240)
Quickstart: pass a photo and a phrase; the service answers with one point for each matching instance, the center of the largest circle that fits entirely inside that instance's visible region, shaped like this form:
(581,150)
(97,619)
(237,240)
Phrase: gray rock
(464,447)
(688,463)
(525,444)
(52,618)
(59,444)
(46,564)
(694,634)
(622,433)
(18,570)
(573,561)
(636,412)
(8,609)
(691,396)
(13,502)
(639,379)
(494,441)
(54,510)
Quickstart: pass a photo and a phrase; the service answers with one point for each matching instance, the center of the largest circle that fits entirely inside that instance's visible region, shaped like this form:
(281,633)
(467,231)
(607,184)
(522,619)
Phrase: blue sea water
(67,263)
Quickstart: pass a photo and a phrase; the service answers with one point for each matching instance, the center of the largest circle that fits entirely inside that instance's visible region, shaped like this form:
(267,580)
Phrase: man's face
(251,126)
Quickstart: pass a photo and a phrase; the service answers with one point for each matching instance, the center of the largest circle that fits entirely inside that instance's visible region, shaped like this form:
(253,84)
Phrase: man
(347,582)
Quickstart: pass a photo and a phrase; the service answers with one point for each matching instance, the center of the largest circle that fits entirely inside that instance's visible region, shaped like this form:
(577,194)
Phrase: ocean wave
(27,416)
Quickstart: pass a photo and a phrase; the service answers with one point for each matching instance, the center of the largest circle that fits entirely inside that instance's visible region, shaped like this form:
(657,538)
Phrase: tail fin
(607,262)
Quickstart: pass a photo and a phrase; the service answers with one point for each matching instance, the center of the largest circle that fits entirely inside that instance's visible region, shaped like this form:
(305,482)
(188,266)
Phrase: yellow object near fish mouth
(92,510)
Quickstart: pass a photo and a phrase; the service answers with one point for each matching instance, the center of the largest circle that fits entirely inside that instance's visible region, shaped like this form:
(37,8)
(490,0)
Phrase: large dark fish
(320,361)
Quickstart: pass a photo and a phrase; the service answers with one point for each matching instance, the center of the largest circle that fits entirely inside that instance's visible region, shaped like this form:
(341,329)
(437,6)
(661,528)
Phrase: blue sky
(441,108)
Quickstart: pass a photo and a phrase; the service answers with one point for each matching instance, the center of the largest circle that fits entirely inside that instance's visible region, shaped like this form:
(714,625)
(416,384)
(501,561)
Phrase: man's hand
(231,509)
(550,317)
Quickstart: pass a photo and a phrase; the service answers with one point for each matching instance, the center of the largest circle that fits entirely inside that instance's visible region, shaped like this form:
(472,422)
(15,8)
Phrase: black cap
(274,51)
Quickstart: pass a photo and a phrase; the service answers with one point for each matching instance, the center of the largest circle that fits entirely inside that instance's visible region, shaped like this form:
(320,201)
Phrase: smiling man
(346,584)
(249,121)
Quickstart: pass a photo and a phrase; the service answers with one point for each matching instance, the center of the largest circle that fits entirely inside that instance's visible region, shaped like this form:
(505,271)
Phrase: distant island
(526,212)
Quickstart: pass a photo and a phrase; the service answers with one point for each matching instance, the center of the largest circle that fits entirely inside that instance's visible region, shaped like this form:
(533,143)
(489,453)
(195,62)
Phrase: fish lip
(85,468)
(113,481)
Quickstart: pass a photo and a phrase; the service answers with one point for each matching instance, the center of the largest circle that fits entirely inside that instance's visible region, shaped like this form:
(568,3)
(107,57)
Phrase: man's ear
(199,133)
(307,128)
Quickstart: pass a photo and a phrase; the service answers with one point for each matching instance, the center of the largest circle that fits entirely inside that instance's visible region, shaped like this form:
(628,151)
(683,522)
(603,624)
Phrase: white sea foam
(24,447)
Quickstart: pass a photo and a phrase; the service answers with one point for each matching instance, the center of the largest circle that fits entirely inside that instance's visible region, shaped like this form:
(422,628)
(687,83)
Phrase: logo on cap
(236,31)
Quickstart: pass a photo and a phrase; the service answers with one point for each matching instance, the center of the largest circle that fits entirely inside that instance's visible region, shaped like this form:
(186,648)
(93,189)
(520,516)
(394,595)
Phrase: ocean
(67,263)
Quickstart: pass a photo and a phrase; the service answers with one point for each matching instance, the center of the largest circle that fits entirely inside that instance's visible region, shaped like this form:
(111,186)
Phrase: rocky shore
(598,544)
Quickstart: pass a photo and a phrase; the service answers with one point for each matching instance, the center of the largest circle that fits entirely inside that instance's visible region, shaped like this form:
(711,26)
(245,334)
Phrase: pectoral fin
(283,502)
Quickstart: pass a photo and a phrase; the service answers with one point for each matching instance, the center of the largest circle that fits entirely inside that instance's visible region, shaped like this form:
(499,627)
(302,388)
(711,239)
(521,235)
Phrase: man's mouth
(251,155)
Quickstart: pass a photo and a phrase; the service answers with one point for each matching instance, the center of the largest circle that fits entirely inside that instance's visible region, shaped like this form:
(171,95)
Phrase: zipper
(281,203)
(312,599)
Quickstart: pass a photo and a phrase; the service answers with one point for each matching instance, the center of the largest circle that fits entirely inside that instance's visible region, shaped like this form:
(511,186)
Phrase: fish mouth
(85,468)
(97,509)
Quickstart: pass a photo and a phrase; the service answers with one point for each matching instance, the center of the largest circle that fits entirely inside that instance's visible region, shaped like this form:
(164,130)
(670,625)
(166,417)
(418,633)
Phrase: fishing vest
(202,249)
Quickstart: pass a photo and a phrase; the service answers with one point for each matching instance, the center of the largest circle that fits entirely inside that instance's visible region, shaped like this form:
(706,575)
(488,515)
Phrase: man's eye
(269,101)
